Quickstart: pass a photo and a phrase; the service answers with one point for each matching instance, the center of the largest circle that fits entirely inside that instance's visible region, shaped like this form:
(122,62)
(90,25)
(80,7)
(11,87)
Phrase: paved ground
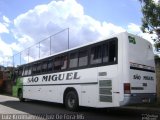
(10,107)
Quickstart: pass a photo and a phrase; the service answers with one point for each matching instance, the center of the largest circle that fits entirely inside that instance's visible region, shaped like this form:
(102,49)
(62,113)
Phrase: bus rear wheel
(20,96)
(71,101)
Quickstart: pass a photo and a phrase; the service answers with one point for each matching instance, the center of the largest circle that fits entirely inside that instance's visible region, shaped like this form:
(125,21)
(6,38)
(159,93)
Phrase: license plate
(145,100)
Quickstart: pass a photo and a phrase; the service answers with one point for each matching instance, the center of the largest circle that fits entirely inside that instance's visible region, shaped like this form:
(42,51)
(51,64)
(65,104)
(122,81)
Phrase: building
(5,81)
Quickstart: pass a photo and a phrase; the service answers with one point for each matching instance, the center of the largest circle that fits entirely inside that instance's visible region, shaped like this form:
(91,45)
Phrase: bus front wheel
(71,101)
(20,96)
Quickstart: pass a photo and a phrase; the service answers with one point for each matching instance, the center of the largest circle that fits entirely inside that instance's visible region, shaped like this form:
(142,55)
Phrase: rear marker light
(127,88)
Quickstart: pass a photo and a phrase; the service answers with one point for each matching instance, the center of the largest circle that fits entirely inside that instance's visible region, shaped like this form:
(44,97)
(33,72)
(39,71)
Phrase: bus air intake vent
(105,91)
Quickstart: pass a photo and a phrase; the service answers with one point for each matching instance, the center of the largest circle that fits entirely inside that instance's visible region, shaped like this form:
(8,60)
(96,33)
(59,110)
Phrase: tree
(151,19)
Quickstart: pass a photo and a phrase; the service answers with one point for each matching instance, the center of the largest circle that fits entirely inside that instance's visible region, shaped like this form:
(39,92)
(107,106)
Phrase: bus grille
(105,91)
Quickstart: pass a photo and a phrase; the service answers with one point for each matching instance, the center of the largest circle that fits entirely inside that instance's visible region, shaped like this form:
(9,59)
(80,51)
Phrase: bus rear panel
(141,84)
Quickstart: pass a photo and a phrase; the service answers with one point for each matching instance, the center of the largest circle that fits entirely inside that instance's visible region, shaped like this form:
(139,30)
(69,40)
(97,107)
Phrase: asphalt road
(11,108)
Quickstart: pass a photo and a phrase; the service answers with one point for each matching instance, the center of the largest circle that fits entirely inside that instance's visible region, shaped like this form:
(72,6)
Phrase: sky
(26,22)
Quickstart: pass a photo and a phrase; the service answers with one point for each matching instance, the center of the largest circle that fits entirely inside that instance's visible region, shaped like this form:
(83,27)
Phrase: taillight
(127,88)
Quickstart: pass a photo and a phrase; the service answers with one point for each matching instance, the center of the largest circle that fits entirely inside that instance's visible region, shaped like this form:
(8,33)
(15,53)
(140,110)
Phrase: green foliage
(151,19)
(151,15)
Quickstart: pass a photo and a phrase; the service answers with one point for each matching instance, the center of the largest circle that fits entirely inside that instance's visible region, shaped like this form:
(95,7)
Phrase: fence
(46,47)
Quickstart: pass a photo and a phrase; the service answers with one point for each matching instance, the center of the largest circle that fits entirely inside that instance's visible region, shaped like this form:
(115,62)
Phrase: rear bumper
(136,98)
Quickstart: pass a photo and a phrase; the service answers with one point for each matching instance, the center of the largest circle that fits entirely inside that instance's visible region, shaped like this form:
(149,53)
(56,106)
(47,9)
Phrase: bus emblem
(132,39)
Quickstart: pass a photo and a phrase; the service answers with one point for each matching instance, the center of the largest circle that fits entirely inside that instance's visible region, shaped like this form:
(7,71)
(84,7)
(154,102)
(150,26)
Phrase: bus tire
(20,96)
(71,101)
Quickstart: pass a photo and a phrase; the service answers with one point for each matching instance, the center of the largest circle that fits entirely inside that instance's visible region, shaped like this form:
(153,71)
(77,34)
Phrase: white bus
(113,72)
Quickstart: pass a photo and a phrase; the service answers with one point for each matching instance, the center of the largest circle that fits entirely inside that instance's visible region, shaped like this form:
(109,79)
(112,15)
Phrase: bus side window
(105,52)
(44,66)
(23,69)
(38,68)
(34,68)
(64,62)
(20,70)
(96,55)
(60,63)
(112,51)
(50,65)
(57,63)
(26,71)
(29,70)
(83,58)
(73,62)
